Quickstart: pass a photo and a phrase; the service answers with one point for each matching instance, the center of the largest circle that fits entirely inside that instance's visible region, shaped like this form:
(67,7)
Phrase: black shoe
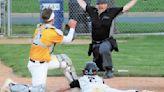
(108,74)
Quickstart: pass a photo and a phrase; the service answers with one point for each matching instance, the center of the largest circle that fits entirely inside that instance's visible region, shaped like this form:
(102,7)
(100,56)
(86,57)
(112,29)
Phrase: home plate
(122,71)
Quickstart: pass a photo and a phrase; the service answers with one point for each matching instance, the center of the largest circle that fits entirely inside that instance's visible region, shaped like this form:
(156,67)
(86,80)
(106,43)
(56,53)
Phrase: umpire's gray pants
(104,51)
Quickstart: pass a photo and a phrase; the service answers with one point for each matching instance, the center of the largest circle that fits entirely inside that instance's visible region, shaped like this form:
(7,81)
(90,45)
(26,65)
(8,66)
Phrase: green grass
(25,6)
(33,6)
(122,27)
(16,56)
(144,5)
(140,27)
(30,6)
(142,56)
(23,29)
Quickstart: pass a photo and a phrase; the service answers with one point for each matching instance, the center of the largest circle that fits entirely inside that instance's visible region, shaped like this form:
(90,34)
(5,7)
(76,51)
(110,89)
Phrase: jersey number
(91,79)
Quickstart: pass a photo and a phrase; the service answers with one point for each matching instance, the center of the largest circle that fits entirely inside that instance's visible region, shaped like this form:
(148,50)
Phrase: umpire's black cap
(101,1)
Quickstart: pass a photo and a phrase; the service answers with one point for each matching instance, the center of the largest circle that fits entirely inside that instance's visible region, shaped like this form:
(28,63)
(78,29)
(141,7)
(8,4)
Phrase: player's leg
(39,75)
(116,90)
(97,58)
(69,70)
(64,62)
(11,86)
(105,52)
(19,87)
(109,89)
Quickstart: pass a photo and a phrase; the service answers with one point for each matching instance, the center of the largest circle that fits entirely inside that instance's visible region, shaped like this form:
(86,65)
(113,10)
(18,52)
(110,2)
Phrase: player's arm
(129,5)
(72,24)
(82,4)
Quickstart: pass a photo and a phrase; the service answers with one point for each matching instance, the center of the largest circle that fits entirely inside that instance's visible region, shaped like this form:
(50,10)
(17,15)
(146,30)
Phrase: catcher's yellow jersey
(42,40)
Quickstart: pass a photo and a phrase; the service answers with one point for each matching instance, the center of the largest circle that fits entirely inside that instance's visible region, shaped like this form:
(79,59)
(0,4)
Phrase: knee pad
(39,88)
(69,69)
(64,58)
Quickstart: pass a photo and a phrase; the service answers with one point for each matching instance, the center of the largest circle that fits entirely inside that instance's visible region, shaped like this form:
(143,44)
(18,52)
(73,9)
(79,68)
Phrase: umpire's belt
(96,42)
(34,61)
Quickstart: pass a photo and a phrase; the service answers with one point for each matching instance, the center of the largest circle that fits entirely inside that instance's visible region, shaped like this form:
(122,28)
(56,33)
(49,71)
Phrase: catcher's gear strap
(37,39)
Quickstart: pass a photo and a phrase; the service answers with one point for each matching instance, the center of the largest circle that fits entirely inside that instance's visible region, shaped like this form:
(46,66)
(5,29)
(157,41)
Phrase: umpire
(102,42)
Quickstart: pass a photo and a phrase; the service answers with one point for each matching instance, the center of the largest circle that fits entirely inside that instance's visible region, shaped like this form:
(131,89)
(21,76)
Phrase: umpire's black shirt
(101,23)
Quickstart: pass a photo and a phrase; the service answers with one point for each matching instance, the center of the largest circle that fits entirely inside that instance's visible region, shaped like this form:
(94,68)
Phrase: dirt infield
(155,84)
(4,40)
(29,40)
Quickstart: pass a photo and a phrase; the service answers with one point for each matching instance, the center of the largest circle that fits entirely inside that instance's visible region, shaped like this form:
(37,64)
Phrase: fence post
(0,17)
(9,18)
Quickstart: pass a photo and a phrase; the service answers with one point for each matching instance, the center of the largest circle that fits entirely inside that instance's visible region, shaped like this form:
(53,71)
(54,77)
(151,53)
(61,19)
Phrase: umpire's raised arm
(82,4)
(128,6)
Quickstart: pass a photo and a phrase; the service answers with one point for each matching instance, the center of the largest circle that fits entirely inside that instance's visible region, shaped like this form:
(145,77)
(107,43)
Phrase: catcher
(41,58)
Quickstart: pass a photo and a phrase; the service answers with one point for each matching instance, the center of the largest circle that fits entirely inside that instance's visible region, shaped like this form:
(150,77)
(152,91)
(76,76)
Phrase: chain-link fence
(147,16)
(2,16)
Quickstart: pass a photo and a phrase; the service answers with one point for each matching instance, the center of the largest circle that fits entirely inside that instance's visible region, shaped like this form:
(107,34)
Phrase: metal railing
(2,16)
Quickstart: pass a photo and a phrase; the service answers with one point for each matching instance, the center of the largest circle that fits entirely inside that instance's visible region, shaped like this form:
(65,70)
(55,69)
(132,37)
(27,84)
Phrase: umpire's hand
(72,23)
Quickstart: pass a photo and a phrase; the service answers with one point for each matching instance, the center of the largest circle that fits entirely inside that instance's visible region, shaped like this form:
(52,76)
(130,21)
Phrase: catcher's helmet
(90,68)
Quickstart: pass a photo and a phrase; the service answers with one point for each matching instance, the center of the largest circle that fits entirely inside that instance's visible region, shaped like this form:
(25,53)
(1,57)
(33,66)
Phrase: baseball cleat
(5,86)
